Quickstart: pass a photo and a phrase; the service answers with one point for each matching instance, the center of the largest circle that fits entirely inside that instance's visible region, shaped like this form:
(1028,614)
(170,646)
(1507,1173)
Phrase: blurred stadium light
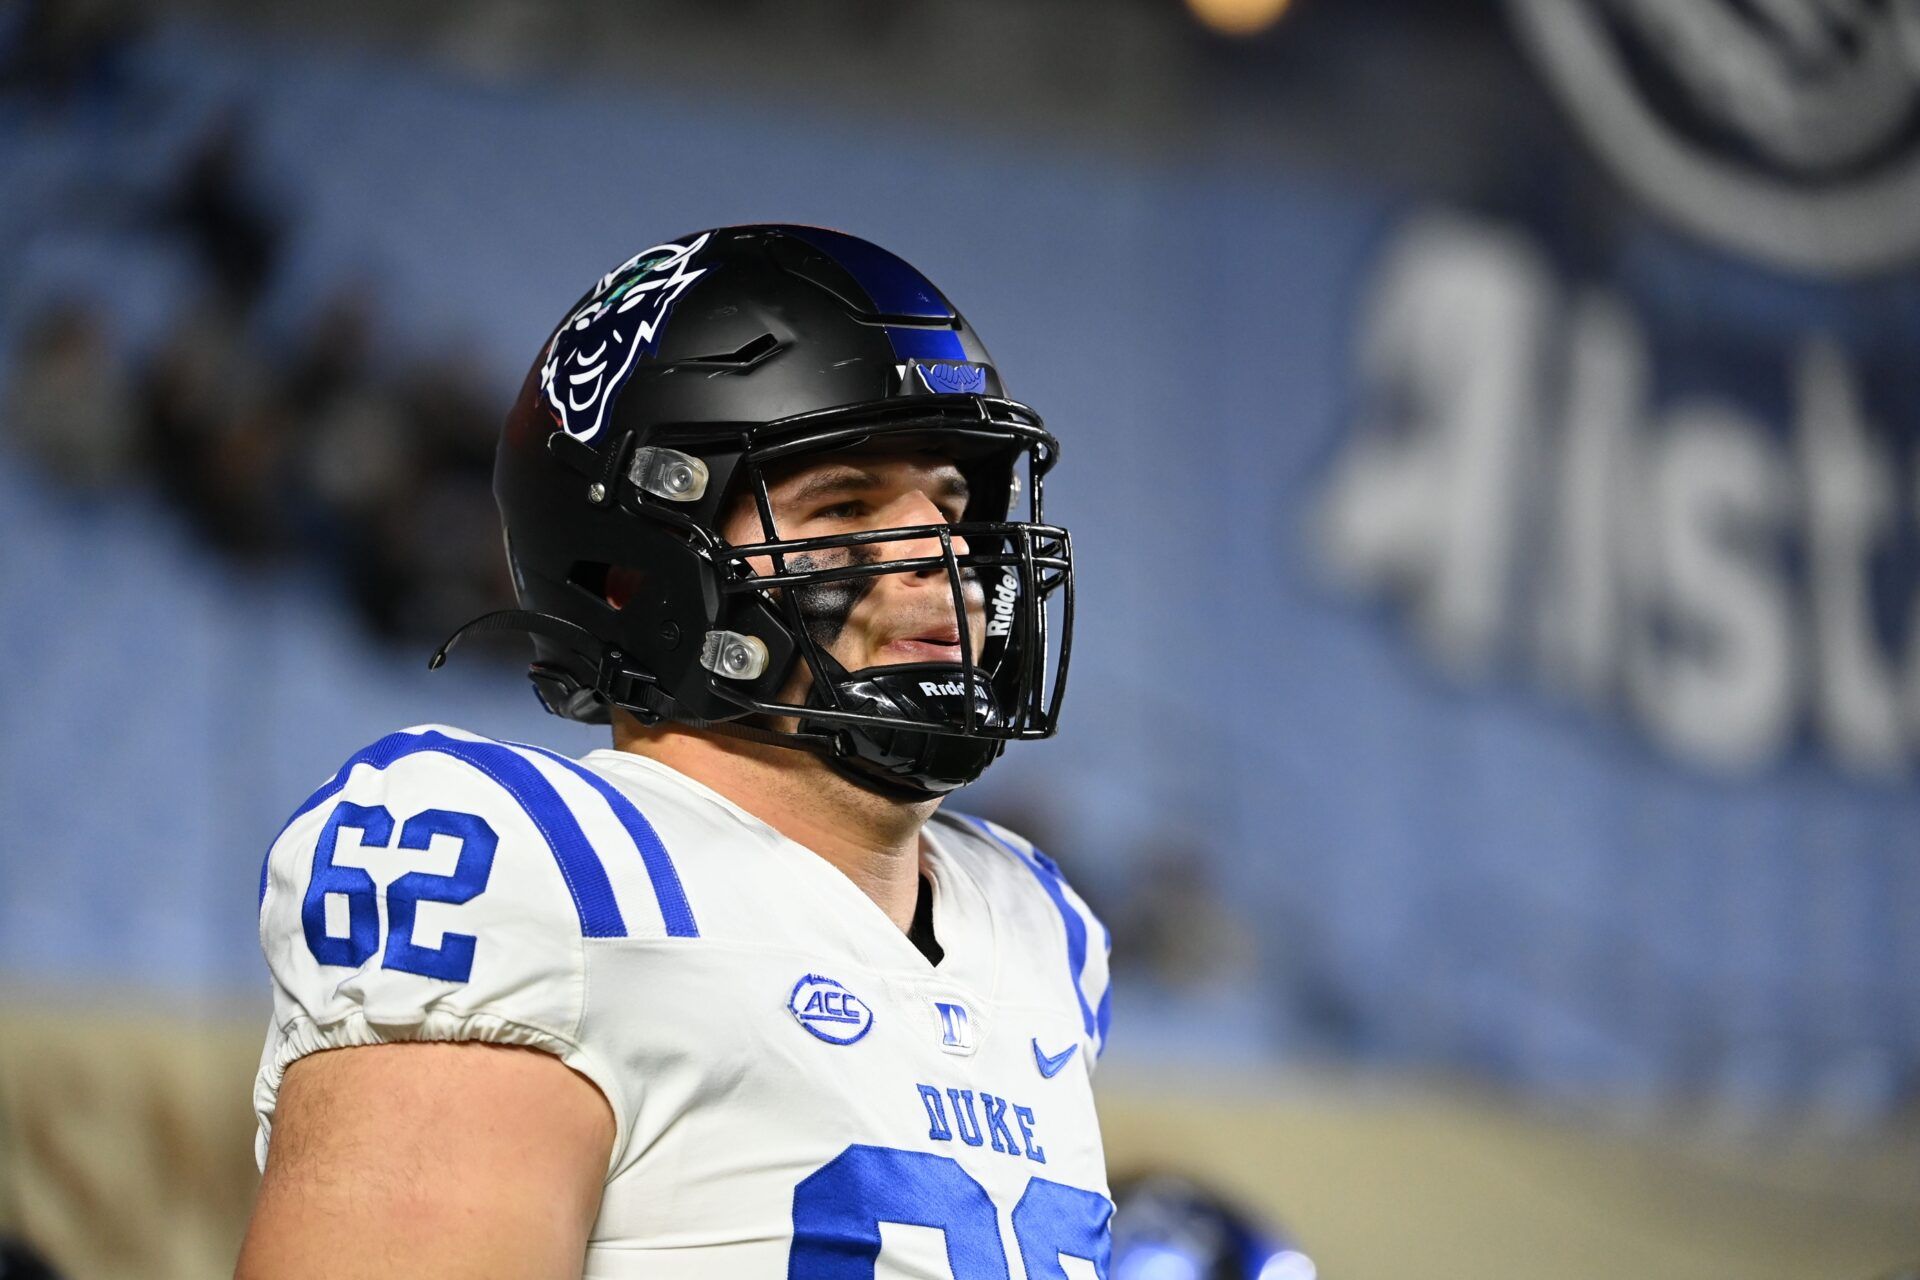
(1238,17)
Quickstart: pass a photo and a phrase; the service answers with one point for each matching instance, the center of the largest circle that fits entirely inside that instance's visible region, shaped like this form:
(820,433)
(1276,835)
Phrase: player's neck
(873,839)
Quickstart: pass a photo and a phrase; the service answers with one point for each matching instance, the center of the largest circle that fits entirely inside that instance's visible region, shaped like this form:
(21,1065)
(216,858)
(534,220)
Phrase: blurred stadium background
(1490,442)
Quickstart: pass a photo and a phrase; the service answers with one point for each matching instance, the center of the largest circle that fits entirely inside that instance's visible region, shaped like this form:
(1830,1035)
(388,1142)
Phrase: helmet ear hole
(591,578)
(609,584)
(622,584)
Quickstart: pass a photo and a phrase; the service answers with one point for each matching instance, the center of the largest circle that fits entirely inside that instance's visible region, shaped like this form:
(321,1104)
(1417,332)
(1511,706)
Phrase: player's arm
(427,1106)
(430,1160)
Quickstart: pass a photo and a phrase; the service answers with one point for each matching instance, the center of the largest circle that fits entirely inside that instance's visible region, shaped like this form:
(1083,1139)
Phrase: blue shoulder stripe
(1050,879)
(1103,1016)
(579,866)
(660,870)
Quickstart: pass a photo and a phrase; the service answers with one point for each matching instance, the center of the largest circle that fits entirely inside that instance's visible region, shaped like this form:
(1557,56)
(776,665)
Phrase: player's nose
(914,509)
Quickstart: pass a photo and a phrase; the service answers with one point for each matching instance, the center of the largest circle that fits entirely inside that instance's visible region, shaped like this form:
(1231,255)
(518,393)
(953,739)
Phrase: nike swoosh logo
(1050,1066)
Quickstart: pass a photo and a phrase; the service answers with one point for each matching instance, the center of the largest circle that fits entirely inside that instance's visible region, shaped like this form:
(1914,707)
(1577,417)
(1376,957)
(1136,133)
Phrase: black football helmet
(669,393)
(1169,1227)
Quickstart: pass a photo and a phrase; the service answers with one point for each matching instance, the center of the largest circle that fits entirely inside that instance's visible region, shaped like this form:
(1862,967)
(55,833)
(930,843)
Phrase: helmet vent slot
(745,357)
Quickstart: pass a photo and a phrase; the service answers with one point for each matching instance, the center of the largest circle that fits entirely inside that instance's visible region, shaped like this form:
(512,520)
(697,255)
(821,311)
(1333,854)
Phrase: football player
(733,997)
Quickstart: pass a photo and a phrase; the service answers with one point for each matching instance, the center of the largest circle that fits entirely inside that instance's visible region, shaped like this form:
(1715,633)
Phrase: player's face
(887,618)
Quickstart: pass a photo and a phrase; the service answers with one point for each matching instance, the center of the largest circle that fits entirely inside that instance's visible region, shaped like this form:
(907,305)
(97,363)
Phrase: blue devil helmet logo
(594,350)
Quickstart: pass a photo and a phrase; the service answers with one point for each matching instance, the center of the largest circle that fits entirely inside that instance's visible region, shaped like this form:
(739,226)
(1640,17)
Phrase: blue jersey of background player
(731,997)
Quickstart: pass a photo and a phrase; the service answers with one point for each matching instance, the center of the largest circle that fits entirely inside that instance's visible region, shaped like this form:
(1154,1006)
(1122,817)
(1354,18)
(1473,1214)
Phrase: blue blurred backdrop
(1498,648)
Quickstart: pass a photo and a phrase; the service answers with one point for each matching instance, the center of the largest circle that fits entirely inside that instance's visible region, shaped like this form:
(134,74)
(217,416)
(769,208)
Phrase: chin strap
(615,681)
(636,691)
(538,624)
(828,746)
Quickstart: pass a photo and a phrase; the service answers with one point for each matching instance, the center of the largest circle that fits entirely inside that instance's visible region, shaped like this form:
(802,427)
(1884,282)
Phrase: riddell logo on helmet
(1004,596)
(943,688)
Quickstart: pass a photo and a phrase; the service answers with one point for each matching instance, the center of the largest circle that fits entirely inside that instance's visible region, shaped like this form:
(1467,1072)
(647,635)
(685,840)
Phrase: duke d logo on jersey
(956,1027)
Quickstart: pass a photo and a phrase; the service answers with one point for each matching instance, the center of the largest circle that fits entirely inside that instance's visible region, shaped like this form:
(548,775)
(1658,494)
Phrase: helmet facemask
(918,728)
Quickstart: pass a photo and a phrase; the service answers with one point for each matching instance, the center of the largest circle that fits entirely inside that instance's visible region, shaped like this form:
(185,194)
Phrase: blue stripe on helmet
(895,287)
(925,344)
(586,879)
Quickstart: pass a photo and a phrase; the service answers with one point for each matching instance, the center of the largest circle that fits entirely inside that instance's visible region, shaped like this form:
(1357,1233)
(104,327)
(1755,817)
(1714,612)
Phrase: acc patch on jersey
(829,1010)
(593,351)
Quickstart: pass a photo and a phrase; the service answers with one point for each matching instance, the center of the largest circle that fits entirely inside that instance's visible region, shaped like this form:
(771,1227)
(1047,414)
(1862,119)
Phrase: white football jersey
(798,1091)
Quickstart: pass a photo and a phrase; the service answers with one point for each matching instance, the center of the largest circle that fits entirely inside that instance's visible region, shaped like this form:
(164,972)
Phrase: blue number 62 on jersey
(452,960)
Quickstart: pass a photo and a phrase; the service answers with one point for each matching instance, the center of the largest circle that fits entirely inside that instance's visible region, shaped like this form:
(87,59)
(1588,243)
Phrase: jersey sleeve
(1097,979)
(1087,940)
(437,888)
